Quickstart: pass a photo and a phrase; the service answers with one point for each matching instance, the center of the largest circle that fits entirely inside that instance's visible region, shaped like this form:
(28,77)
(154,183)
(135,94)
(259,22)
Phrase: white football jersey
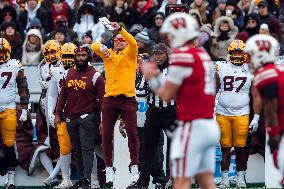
(233,98)
(44,71)
(57,73)
(8,85)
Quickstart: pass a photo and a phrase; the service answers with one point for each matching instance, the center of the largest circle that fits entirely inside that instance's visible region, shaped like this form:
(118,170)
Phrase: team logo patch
(76,84)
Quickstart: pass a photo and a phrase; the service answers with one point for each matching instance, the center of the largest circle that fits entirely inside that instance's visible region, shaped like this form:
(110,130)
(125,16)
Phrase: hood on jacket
(35,32)
(91,8)
(233,29)
(10,10)
(32,11)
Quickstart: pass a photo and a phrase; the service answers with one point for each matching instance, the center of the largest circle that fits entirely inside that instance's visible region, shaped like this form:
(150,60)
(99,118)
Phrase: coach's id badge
(67,120)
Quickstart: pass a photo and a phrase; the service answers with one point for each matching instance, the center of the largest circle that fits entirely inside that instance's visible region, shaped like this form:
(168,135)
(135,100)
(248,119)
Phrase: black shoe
(159,186)
(77,184)
(135,185)
(86,184)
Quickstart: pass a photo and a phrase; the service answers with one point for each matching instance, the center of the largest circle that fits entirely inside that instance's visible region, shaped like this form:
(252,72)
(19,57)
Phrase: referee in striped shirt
(159,116)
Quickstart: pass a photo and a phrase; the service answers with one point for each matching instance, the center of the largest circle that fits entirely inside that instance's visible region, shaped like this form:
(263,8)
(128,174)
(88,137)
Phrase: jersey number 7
(229,80)
(8,75)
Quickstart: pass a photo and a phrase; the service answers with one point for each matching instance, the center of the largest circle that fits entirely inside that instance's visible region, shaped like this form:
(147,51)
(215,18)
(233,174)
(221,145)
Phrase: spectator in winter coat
(146,10)
(121,12)
(195,14)
(247,6)
(14,38)
(62,22)
(269,19)
(60,35)
(203,10)
(32,47)
(61,8)
(220,10)
(264,29)
(143,41)
(88,19)
(9,14)
(225,32)
(235,13)
(154,33)
(251,27)
(33,9)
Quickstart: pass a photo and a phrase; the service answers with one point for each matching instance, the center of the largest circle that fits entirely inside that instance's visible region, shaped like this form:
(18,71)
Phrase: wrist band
(273,131)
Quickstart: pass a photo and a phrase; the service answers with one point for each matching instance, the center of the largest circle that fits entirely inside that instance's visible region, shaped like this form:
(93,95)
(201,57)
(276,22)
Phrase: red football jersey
(195,98)
(269,74)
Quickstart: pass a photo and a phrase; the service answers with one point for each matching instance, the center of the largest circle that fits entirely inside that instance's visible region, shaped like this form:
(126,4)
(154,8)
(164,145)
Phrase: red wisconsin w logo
(178,23)
(263,45)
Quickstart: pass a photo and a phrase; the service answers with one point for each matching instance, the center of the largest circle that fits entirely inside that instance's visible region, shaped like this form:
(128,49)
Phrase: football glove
(254,124)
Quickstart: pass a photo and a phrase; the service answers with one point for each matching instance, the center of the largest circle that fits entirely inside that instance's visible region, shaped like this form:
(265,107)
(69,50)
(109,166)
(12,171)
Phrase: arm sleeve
(269,91)
(52,96)
(132,47)
(62,98)
(96,47)
(177,74)
(99,84)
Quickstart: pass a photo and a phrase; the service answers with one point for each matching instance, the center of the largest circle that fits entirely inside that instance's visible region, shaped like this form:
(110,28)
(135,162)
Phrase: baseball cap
(263,3)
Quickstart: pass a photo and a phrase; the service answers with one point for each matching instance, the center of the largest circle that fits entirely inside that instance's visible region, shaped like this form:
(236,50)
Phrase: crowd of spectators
(27,24)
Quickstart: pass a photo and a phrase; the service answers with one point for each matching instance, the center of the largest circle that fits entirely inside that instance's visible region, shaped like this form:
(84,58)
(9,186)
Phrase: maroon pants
(112,108)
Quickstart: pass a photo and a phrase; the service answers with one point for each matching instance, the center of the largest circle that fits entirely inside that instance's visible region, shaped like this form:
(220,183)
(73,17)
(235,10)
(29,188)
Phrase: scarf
(224,36)
(32,47)
(147,7)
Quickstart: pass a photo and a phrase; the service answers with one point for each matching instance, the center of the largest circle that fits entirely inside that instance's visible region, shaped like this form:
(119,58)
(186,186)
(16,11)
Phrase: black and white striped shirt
(153,100)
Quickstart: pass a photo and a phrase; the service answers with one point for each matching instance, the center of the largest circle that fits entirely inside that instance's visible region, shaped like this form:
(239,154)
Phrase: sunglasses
(159,17)
(117,40)
(7,14)
(251,21)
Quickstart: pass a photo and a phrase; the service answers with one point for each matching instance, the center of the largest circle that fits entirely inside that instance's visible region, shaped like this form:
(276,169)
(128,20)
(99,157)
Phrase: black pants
(82,132)
(157,171)
(156,121)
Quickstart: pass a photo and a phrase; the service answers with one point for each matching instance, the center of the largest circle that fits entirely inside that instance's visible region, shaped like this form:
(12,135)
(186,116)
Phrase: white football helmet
(262,49)
(180,28)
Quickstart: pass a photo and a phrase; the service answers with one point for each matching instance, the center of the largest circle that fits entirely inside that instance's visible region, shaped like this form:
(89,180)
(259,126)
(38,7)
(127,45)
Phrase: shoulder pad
(15,63)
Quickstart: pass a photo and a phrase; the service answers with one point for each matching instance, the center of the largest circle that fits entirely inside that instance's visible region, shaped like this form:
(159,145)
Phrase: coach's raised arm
(123,41)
